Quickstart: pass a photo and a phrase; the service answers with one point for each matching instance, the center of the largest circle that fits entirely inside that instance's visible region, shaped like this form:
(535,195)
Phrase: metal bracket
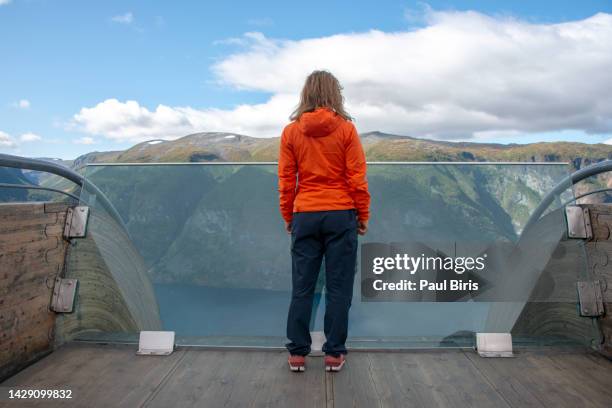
(159,343)
(316,348)
(494,344)
(76,222)
(590,298)
(578,222)
(64,293)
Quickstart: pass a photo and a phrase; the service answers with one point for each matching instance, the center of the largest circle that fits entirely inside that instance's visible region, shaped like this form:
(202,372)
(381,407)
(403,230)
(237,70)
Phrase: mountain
(13,176)
(203,147)
(63,162)
(199,147)
(94,157)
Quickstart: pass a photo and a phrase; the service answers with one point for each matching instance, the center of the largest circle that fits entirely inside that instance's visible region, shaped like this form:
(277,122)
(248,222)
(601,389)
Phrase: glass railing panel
(200,249)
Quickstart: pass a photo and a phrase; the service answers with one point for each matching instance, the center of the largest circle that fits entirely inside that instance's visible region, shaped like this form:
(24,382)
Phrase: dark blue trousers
(314,235)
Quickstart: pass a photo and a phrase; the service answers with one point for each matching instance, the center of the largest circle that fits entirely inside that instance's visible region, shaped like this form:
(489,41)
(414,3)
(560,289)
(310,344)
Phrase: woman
(324,201)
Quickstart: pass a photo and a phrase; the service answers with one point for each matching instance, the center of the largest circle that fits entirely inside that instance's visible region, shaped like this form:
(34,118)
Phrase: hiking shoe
(334,363)
(297,363)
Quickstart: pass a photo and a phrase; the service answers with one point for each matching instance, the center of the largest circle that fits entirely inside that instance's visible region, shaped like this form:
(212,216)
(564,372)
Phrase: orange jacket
(321,166)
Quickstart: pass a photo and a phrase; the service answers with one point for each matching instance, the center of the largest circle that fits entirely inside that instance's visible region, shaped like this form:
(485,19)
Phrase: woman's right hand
(362,227)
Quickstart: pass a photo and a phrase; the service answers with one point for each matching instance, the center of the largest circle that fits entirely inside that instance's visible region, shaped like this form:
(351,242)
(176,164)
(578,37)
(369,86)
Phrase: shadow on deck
(113,375)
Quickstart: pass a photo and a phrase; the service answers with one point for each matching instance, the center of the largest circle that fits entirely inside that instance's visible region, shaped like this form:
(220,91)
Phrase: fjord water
(212,241)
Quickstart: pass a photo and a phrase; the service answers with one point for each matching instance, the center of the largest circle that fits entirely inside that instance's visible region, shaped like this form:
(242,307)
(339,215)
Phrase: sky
(81,76)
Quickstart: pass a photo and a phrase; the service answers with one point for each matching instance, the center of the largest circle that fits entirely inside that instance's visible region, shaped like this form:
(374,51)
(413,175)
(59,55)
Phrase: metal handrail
(18,162)
(569,181)
(375,163)
(35,187)
(588,193)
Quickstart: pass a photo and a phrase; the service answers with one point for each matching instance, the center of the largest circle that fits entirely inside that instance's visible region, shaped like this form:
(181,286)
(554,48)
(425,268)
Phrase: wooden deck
(113,376)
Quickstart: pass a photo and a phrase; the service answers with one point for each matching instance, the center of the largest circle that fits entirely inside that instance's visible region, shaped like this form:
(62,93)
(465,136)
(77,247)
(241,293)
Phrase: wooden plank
(306,389)
(456,381)
(31,253)
(353,386)
(27,298)
(556,388)
(534,378)
(240,378)
(35,224)
(7,209)
(189,380)
(56,229)
(599,252)
(401,382)
(588,374)
(26,254)
(505,376)
(34,279)
(228,377)
(9,222)
(114,376)
(97,375)
(58,207)
(24,235)
(329,390)
(31,249)
(25,258)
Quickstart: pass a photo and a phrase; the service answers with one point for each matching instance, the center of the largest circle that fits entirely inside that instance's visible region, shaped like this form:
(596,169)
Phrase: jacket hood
(320,122)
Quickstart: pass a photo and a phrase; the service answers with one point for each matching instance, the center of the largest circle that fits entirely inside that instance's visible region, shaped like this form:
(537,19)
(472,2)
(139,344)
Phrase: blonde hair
(321,90)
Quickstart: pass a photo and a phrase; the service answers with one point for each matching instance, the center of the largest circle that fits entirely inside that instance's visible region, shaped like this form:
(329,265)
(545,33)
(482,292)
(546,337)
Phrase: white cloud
(126,18)
(131,121)
(30,137)
(4,2)
(462,74)
(85,140)
(6,141)
(22,103)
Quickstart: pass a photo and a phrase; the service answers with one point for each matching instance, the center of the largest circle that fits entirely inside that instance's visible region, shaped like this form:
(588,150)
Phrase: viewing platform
(199,249)
(114,376)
